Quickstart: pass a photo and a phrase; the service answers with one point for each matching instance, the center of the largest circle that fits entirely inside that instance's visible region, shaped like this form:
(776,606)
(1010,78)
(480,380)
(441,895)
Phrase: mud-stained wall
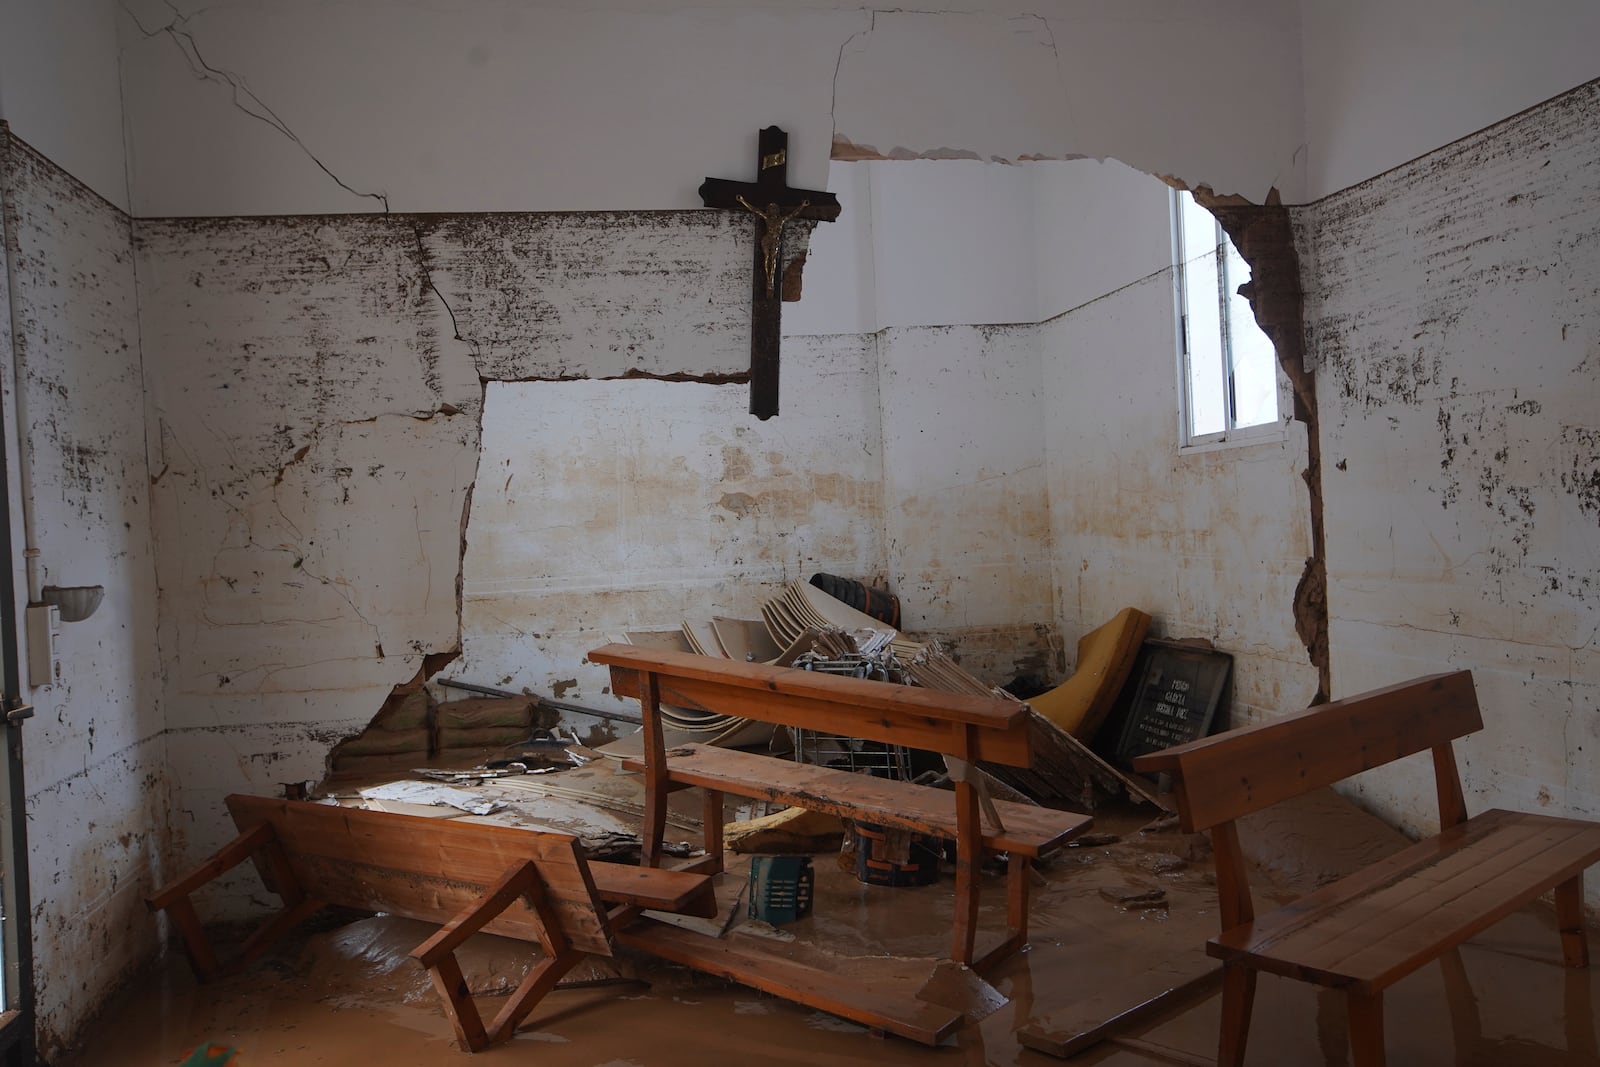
(317,392)
(605,506)
(1453,310)
(96,762)
(1211,542)
(315,431)
(965,504)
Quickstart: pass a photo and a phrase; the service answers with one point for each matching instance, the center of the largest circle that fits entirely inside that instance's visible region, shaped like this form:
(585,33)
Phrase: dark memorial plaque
(1179,690)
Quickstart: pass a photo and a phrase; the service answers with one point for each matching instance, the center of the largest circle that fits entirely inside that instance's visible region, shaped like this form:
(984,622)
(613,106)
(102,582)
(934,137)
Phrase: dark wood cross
(770,200)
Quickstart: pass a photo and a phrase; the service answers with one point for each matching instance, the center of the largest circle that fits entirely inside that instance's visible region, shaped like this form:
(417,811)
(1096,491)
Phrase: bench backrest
(988,727)
(428,869)
(1219,778)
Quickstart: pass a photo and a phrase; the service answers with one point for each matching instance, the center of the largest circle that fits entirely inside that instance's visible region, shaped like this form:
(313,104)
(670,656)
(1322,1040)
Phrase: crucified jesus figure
(773,221)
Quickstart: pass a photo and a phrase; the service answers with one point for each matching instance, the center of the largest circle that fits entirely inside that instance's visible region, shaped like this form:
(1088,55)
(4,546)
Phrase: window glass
(1255,361)
(1229,365)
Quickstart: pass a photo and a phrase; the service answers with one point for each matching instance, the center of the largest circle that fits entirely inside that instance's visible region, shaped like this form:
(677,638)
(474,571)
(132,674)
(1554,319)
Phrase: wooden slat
(854,707)
(1231,774)
(1029,830)
(428,869)
(1422,914)
(1382,923)
(853,996)
(1450,852)
(654,887)
(1164,983)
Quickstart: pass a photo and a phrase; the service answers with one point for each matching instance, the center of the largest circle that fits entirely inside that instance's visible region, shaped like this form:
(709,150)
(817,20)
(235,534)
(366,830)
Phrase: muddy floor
(1114,922)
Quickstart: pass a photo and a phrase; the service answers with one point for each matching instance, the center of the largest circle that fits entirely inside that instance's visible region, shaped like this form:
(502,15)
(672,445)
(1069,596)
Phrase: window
(1227,366)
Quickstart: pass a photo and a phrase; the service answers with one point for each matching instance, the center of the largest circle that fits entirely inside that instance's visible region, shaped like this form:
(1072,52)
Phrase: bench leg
(540,980)
(1017,876)
(438,955)
(202,957)
(1466,1022)
(656,784)
(1569,917)
(1238,996)
(1366,1029)
(259,842)
(711,823)
(1018,872)
(969,859)
(270,932)
(1580,1016)
(458,1006)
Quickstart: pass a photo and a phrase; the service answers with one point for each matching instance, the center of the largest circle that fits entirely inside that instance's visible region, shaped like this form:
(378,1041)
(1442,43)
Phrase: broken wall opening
(982,471)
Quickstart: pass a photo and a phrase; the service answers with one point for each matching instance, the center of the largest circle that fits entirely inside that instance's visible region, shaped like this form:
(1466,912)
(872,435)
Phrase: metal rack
(852,753)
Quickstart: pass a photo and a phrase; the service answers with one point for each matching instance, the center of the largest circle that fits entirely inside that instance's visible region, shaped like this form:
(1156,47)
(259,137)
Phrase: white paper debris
(430,793)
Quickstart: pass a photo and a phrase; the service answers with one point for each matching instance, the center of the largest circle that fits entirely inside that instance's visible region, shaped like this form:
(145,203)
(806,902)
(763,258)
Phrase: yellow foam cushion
(1105,659)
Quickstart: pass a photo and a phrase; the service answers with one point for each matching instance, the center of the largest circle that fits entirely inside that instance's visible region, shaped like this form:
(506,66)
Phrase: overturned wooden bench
(526,884)
(1368,930)
(968,728)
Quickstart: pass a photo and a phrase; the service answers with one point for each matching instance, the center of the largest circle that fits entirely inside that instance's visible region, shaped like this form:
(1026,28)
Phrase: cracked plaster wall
(248,108)
(1453,316)
(264,108)
(316,435)
(317,387)
(96,770)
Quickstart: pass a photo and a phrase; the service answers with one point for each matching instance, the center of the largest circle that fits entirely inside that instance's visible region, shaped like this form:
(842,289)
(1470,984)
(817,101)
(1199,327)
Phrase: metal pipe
(19,386)
(559,705)
(17,1039)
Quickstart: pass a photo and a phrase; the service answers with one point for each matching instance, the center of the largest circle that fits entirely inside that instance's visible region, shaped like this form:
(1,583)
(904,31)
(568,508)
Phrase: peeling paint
(97,787)
(1454,315)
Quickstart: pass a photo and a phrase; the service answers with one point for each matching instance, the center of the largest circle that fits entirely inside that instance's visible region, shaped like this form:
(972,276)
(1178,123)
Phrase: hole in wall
(601,506)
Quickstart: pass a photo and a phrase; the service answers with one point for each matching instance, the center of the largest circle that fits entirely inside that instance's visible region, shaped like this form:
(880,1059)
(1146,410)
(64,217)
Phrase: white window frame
(1230,435)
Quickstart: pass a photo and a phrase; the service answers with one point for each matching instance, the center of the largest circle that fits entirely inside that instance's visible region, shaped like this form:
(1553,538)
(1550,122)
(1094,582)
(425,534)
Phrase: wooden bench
(968,728)
(520,883)
(1368,930)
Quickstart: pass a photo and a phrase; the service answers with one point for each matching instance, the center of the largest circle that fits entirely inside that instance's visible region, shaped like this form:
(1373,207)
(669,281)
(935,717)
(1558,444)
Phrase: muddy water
(348,993)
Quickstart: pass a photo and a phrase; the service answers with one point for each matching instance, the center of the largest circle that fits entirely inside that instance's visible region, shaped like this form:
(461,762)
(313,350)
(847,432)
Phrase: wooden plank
(427,869)
(1064,769)
(1405,901)
(1385,921)
(815,685)
(1129,1001)
(1328,908)
(1446,915)
(1028,829)
(659,888)
(854,996)
(855,707)
(1222,777)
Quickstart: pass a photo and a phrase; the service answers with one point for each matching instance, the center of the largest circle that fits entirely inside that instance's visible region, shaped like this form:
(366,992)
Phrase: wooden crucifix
(770,200)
